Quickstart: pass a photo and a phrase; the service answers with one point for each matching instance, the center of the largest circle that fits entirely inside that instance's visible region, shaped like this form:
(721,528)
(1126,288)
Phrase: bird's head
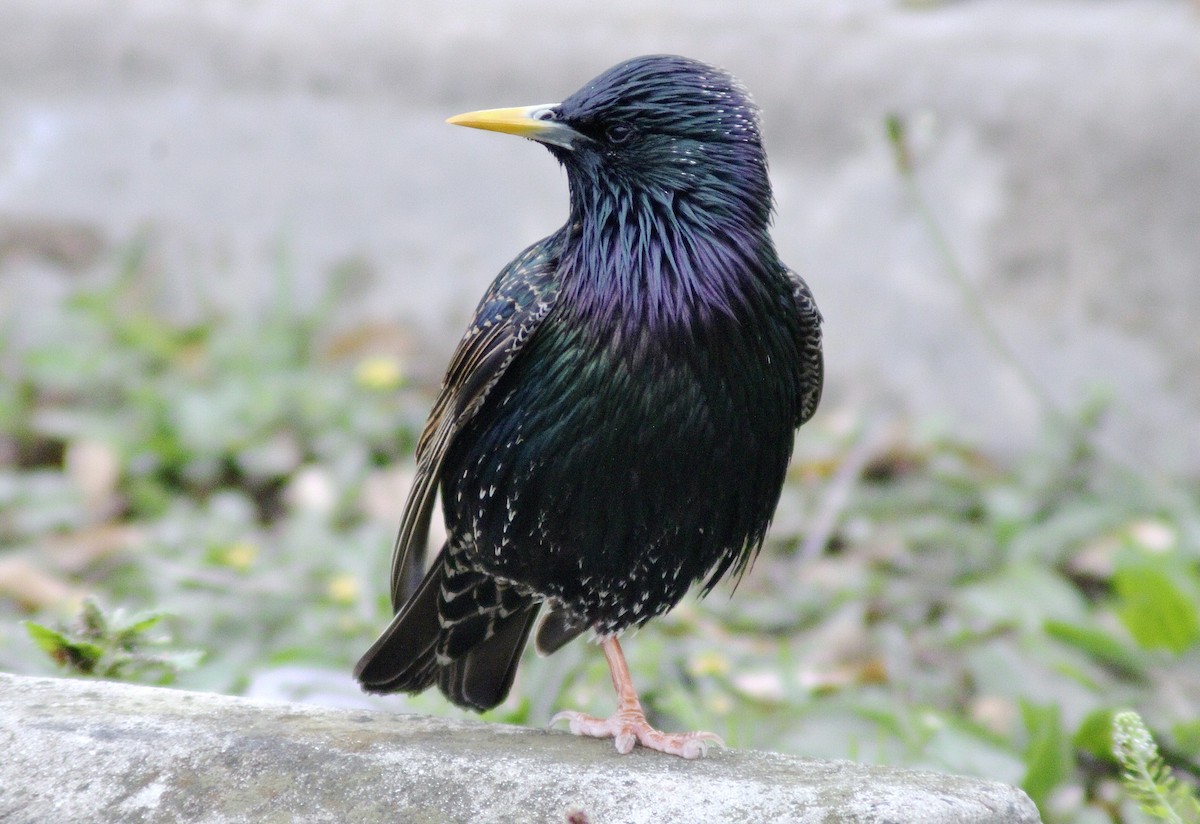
(668,129)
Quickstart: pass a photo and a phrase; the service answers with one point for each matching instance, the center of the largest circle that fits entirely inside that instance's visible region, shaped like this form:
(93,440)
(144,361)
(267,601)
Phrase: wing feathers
(513,308)
(814,362)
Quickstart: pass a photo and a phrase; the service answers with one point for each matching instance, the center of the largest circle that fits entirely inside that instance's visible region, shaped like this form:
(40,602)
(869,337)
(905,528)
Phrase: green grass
(244,476)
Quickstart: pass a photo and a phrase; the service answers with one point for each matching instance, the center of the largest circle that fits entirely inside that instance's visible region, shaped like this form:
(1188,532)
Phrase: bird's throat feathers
(656,259)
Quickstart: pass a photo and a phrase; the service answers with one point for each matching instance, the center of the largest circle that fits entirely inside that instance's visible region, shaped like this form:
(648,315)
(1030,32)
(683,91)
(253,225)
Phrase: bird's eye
(618,133)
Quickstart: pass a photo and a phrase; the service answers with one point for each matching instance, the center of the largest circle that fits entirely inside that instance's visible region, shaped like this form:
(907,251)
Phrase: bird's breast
(623,458)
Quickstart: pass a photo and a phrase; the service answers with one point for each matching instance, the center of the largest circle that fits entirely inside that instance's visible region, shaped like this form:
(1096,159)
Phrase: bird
(616,424)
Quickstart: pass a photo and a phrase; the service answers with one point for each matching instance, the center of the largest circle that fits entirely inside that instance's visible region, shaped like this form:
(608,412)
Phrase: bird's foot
(627,728)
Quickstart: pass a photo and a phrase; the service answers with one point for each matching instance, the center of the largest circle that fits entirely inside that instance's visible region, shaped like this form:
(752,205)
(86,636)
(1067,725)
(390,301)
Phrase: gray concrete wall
(1055,139)
(105,753)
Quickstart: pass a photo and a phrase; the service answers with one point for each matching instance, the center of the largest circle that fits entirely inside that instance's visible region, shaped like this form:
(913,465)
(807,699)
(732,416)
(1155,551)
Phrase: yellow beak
(533,122)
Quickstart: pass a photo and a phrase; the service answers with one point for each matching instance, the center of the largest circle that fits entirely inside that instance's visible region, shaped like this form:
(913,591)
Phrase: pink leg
(628,725)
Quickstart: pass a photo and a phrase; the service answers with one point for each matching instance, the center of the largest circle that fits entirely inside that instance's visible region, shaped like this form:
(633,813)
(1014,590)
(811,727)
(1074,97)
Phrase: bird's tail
(404,658)
(469,643)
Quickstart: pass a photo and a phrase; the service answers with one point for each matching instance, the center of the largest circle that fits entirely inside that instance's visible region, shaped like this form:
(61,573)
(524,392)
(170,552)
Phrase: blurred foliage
(115,646)
(240,477)
(1150,783)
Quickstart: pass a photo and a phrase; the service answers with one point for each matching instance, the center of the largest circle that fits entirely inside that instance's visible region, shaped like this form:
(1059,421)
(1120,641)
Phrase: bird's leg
(628,725)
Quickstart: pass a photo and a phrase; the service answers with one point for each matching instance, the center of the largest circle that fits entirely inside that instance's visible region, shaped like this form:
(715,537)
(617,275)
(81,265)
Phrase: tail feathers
(404,658)
(482,677)
(558,627)
(460,630)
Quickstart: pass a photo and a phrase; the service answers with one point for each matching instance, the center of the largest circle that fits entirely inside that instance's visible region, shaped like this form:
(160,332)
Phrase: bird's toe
(689,745)
(627,730)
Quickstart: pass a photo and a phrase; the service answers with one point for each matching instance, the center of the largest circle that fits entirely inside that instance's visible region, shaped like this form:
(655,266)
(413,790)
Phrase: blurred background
(238,242)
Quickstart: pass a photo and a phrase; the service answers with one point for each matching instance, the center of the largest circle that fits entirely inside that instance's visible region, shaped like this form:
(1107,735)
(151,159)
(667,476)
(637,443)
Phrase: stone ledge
(92,751)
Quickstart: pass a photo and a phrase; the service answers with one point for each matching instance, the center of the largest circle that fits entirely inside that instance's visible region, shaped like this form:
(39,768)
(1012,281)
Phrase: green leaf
(78,655)
(1048,756)
(1158,613)
(1187,738)
(1101,646)
(92,619)
(49,640)
(1094,735)
(127,630)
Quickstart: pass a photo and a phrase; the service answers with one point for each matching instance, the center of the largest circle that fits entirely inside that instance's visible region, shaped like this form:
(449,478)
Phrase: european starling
(616,423)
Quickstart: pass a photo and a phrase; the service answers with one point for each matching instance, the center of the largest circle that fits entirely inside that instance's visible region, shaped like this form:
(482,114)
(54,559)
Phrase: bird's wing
(511,310)
(810,348)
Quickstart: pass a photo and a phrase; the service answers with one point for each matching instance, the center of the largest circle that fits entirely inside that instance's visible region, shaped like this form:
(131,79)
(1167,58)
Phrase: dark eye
(618,133)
